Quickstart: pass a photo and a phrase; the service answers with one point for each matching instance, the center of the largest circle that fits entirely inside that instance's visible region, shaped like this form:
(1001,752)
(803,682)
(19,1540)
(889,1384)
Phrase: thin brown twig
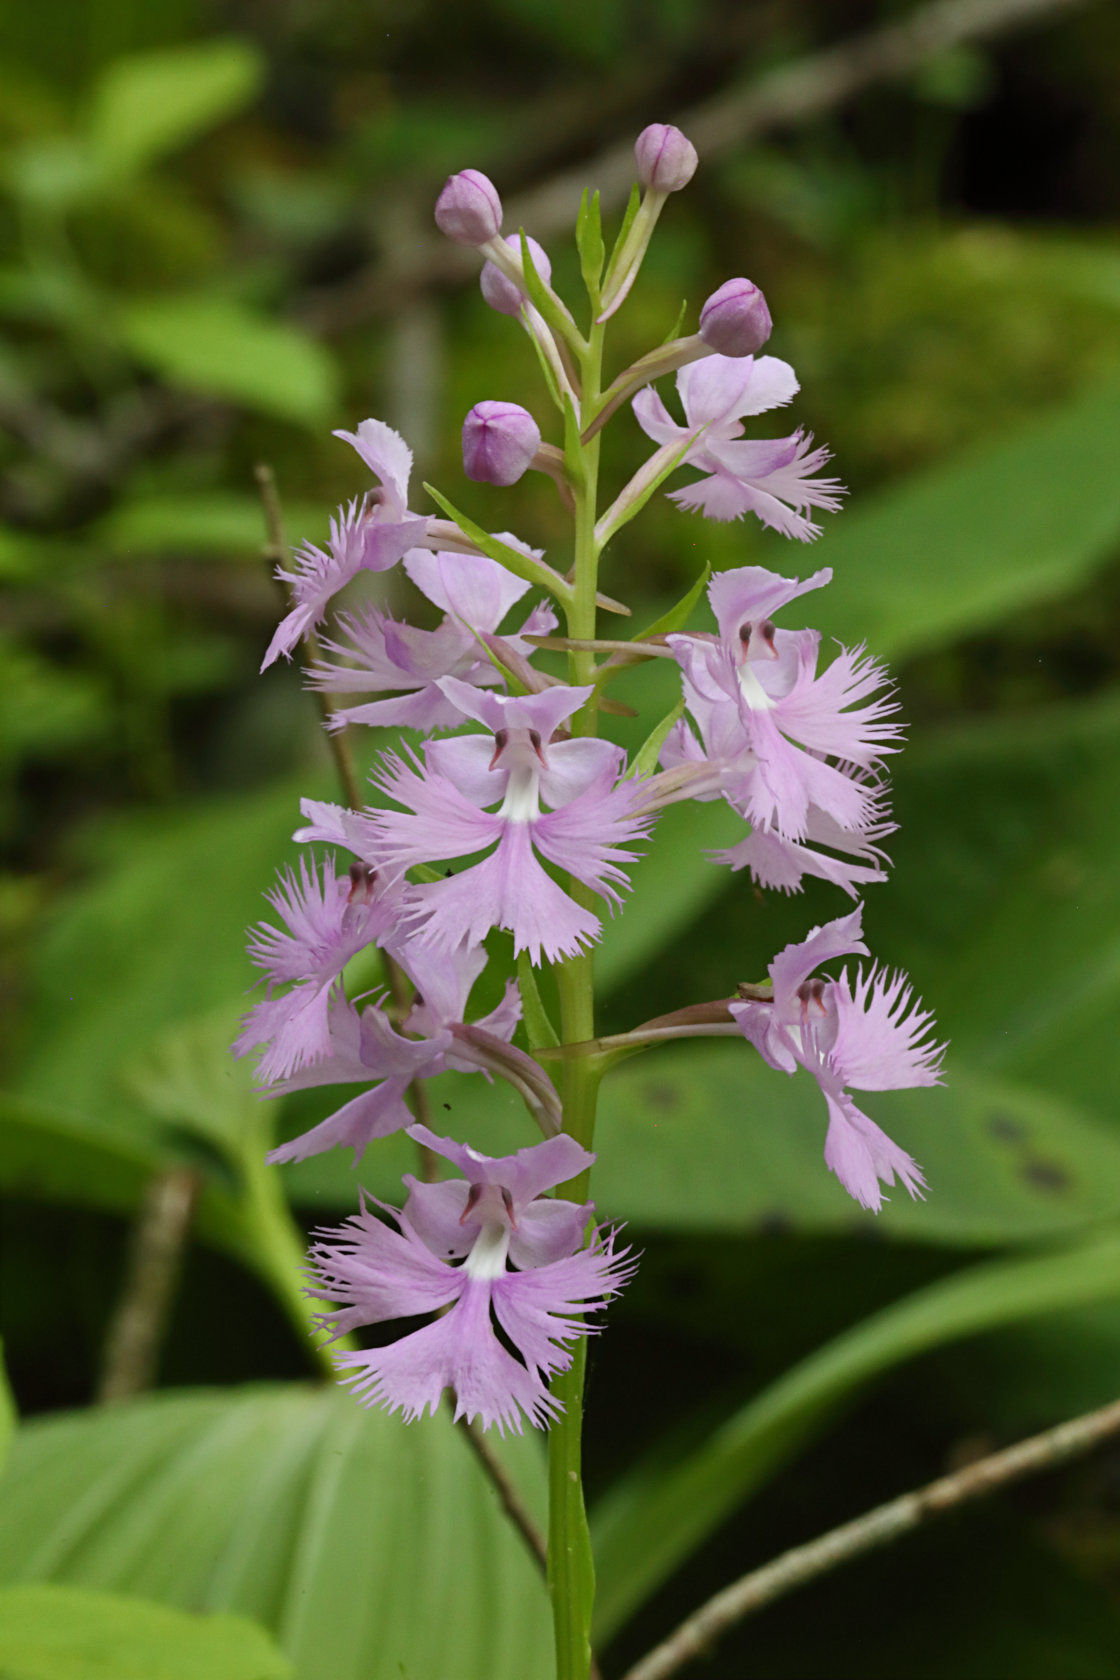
(786,95)
(879,1527)
(139,1320)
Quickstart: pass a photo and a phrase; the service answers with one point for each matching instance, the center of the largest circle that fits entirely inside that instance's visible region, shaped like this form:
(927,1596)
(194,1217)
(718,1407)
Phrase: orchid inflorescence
(511,812)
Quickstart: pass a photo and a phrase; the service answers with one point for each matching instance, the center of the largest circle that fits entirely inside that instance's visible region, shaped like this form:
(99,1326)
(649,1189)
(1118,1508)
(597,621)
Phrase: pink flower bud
(499,442)
(499,291)
(468,210)
(666,160)
(735,320)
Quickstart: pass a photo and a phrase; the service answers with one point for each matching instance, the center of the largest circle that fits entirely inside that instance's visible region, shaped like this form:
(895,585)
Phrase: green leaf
(677,617)
(645,761)
(9,1416)
(54,172)
(671,883)
(173,953)
(522,565)
(1005,1161)
(221,348)
(648,1524)
(1029,980)
(49,1153)
(589,243)
(188,1078)
(206,522)
(70,1633)
(331,1525)
(954,548)
(148,104)
(542,1034)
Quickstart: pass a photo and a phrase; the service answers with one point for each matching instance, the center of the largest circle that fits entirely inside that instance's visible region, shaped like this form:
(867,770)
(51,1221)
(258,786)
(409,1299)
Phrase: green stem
(278,1253)
(571,1572)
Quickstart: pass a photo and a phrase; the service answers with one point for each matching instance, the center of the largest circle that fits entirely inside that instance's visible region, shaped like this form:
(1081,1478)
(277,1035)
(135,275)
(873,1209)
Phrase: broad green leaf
(164,915)
(650,1522)
(672,883)
(54,172)
(148,104)
(1004,1162)
(952,549)
(70,1633)
(224,349)
(1030,980)
(335,1527)
(47,709)
(9,1417)
(81,1158)
(188,1078)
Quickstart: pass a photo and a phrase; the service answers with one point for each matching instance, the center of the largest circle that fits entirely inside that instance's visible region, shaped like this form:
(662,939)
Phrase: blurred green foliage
(202,209)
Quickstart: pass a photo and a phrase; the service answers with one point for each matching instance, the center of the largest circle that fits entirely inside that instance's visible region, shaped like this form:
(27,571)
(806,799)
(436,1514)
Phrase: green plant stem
(571,1573)
(277,1250)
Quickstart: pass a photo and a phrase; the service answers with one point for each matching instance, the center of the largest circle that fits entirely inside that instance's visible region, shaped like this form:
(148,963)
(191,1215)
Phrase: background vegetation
(215,246)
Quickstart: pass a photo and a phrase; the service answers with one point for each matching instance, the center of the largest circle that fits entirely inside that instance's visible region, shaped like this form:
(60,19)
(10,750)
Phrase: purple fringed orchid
(769,725)
(872,1036)
(329,919)
(769,477)
(475,594)
(371,535)
(432,1038)
(489,1247)
(521,768)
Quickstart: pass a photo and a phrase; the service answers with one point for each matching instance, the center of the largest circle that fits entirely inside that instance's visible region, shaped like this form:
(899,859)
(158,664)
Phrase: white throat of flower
(487,1258)
(519,752)
(756,641)
(754,695)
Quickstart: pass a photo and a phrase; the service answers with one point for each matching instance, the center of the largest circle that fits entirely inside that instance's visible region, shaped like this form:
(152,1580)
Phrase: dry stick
(887,1522)
(139,1319)
(277,551)
(717,126)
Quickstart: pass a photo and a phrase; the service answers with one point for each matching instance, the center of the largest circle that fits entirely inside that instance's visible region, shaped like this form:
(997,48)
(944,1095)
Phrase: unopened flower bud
(468,210)
(666,159)
(500,292)
(735,320)
(499,442)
